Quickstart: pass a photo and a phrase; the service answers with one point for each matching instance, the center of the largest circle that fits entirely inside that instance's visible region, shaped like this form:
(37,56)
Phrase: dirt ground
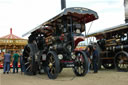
(67,77)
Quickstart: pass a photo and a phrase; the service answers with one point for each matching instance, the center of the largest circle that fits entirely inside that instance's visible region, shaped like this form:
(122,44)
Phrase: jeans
(89,66)
(15,65)
(95,66)
(22,67)
(6,66)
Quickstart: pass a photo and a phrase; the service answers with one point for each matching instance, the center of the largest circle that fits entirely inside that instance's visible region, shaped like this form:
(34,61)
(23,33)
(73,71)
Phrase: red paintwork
(78,39)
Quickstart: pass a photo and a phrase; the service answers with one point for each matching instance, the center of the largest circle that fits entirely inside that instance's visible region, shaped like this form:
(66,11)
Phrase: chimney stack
(126,10)
(10,30)
(63,4)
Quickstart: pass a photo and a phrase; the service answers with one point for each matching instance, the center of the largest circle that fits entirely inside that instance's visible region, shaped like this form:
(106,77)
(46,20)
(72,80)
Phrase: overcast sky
(24,15)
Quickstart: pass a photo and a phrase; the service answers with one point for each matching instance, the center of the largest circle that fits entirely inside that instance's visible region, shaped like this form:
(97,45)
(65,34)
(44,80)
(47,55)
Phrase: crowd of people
(7,61)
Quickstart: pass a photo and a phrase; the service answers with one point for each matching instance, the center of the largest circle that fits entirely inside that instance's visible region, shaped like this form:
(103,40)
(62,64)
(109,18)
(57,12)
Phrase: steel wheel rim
(51,65)
(80,61)
(28,60)
(122,62)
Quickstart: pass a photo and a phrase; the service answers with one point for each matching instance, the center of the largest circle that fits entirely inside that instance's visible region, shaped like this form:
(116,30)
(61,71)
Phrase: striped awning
(10,36)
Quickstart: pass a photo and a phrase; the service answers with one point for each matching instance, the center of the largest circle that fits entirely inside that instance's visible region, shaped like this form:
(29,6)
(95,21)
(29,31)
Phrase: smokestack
(63,4)
(10,30)
(126,10)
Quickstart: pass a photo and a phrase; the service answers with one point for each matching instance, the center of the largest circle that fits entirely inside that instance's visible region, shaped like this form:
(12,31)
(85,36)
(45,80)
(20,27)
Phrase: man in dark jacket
(95,59)
(7,59)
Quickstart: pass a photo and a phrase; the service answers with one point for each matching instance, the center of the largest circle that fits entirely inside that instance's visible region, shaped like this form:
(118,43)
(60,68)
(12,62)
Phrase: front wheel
(81,64)
(53,65)
(121,61)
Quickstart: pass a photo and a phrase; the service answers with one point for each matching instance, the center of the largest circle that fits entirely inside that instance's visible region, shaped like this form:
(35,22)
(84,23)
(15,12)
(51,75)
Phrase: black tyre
(61,69)
(53,65)
(29,60)
(121,61)
(81,64)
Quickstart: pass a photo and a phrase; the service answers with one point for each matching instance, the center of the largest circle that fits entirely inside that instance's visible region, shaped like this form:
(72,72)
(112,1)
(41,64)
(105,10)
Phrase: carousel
(11,43)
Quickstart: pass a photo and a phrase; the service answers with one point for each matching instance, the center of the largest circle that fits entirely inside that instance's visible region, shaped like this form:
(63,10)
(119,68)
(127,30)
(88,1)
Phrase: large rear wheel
(53,65)
(81,64)
(29,60)
(121,61)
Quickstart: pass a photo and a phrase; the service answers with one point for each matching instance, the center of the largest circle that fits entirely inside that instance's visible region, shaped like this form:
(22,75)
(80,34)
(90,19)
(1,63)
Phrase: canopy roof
(114,29)
(84,15)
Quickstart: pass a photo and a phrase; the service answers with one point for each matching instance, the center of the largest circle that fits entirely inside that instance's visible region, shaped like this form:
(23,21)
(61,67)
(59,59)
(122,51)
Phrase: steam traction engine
(51,45)
(113,47)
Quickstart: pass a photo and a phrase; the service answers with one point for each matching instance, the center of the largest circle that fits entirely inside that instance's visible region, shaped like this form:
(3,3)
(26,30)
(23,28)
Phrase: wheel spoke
(26,63)
(51,58)
(28,67)
(27,52)
(79,70)
(52,70)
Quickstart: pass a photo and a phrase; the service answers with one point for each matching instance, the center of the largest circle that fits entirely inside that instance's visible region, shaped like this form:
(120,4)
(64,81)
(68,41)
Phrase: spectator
(88,53)
(95,59)
(7,59)
(15,62)
(21,63)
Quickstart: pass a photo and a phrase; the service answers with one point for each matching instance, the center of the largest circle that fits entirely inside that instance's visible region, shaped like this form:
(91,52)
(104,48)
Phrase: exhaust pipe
(63,4)
(126,10)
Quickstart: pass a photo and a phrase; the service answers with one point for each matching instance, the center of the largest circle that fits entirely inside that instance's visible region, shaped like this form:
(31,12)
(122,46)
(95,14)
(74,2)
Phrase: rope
(89,30)
(90,27)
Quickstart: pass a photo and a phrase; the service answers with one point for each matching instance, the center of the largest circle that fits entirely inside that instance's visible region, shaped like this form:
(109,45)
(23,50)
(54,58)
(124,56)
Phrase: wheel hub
(50,65)
(121,61)
(29,59)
